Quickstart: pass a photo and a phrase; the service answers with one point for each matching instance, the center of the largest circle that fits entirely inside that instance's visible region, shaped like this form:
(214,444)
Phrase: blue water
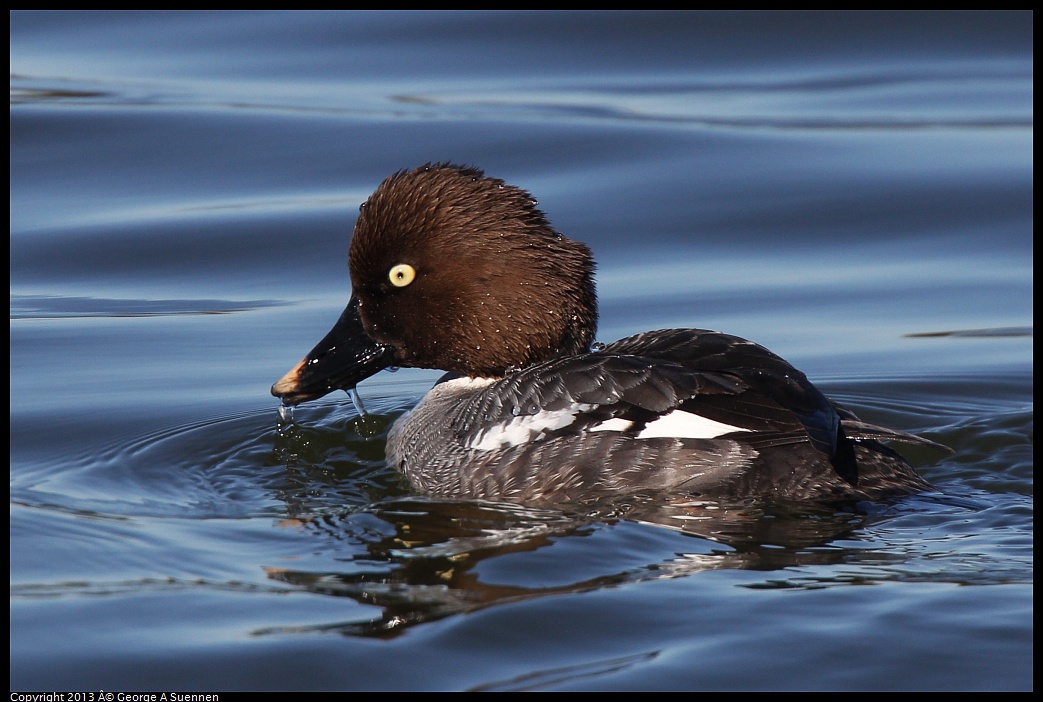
(852,190)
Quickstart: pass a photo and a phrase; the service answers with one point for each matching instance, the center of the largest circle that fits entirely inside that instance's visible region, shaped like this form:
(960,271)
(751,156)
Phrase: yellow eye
(402,275)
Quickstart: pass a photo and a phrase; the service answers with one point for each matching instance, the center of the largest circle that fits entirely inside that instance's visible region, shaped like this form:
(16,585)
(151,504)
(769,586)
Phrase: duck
(458,271)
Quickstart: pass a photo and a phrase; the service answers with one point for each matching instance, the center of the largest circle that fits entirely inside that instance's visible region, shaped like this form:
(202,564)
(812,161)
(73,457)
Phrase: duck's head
(455,271)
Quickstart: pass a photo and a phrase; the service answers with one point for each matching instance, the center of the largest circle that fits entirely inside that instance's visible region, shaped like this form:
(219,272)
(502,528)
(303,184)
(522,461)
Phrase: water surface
(852,190)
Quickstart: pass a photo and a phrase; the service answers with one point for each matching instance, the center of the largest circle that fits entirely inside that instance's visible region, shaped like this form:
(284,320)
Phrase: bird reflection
(418,560)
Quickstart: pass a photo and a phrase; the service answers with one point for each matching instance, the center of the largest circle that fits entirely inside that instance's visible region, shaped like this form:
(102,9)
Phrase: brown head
(462,272)
(455,271)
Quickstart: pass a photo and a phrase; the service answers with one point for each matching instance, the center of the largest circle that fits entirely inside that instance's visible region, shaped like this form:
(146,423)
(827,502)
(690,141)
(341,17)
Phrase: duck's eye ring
(401,275)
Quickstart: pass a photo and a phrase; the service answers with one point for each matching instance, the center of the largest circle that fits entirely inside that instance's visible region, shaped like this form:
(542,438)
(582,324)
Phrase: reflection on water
(420,560)
(64,306)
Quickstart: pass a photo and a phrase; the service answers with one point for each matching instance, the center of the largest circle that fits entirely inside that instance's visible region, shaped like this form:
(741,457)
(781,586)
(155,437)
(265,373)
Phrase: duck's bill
(343,359)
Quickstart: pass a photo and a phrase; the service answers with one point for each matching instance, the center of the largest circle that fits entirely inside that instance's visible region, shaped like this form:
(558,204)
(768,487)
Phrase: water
(853,191)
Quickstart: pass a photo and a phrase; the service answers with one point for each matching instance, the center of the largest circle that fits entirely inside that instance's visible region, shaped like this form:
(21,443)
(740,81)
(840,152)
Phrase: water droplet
(367,427)
(356,400)
(286,414)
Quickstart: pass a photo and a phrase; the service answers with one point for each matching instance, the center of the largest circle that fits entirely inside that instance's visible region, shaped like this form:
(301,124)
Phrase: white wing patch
(526,428)
(679,424)
(615,424)
(523,429)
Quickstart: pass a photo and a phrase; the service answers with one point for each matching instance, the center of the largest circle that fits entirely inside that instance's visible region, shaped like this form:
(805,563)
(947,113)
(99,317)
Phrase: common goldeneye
(454,270)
